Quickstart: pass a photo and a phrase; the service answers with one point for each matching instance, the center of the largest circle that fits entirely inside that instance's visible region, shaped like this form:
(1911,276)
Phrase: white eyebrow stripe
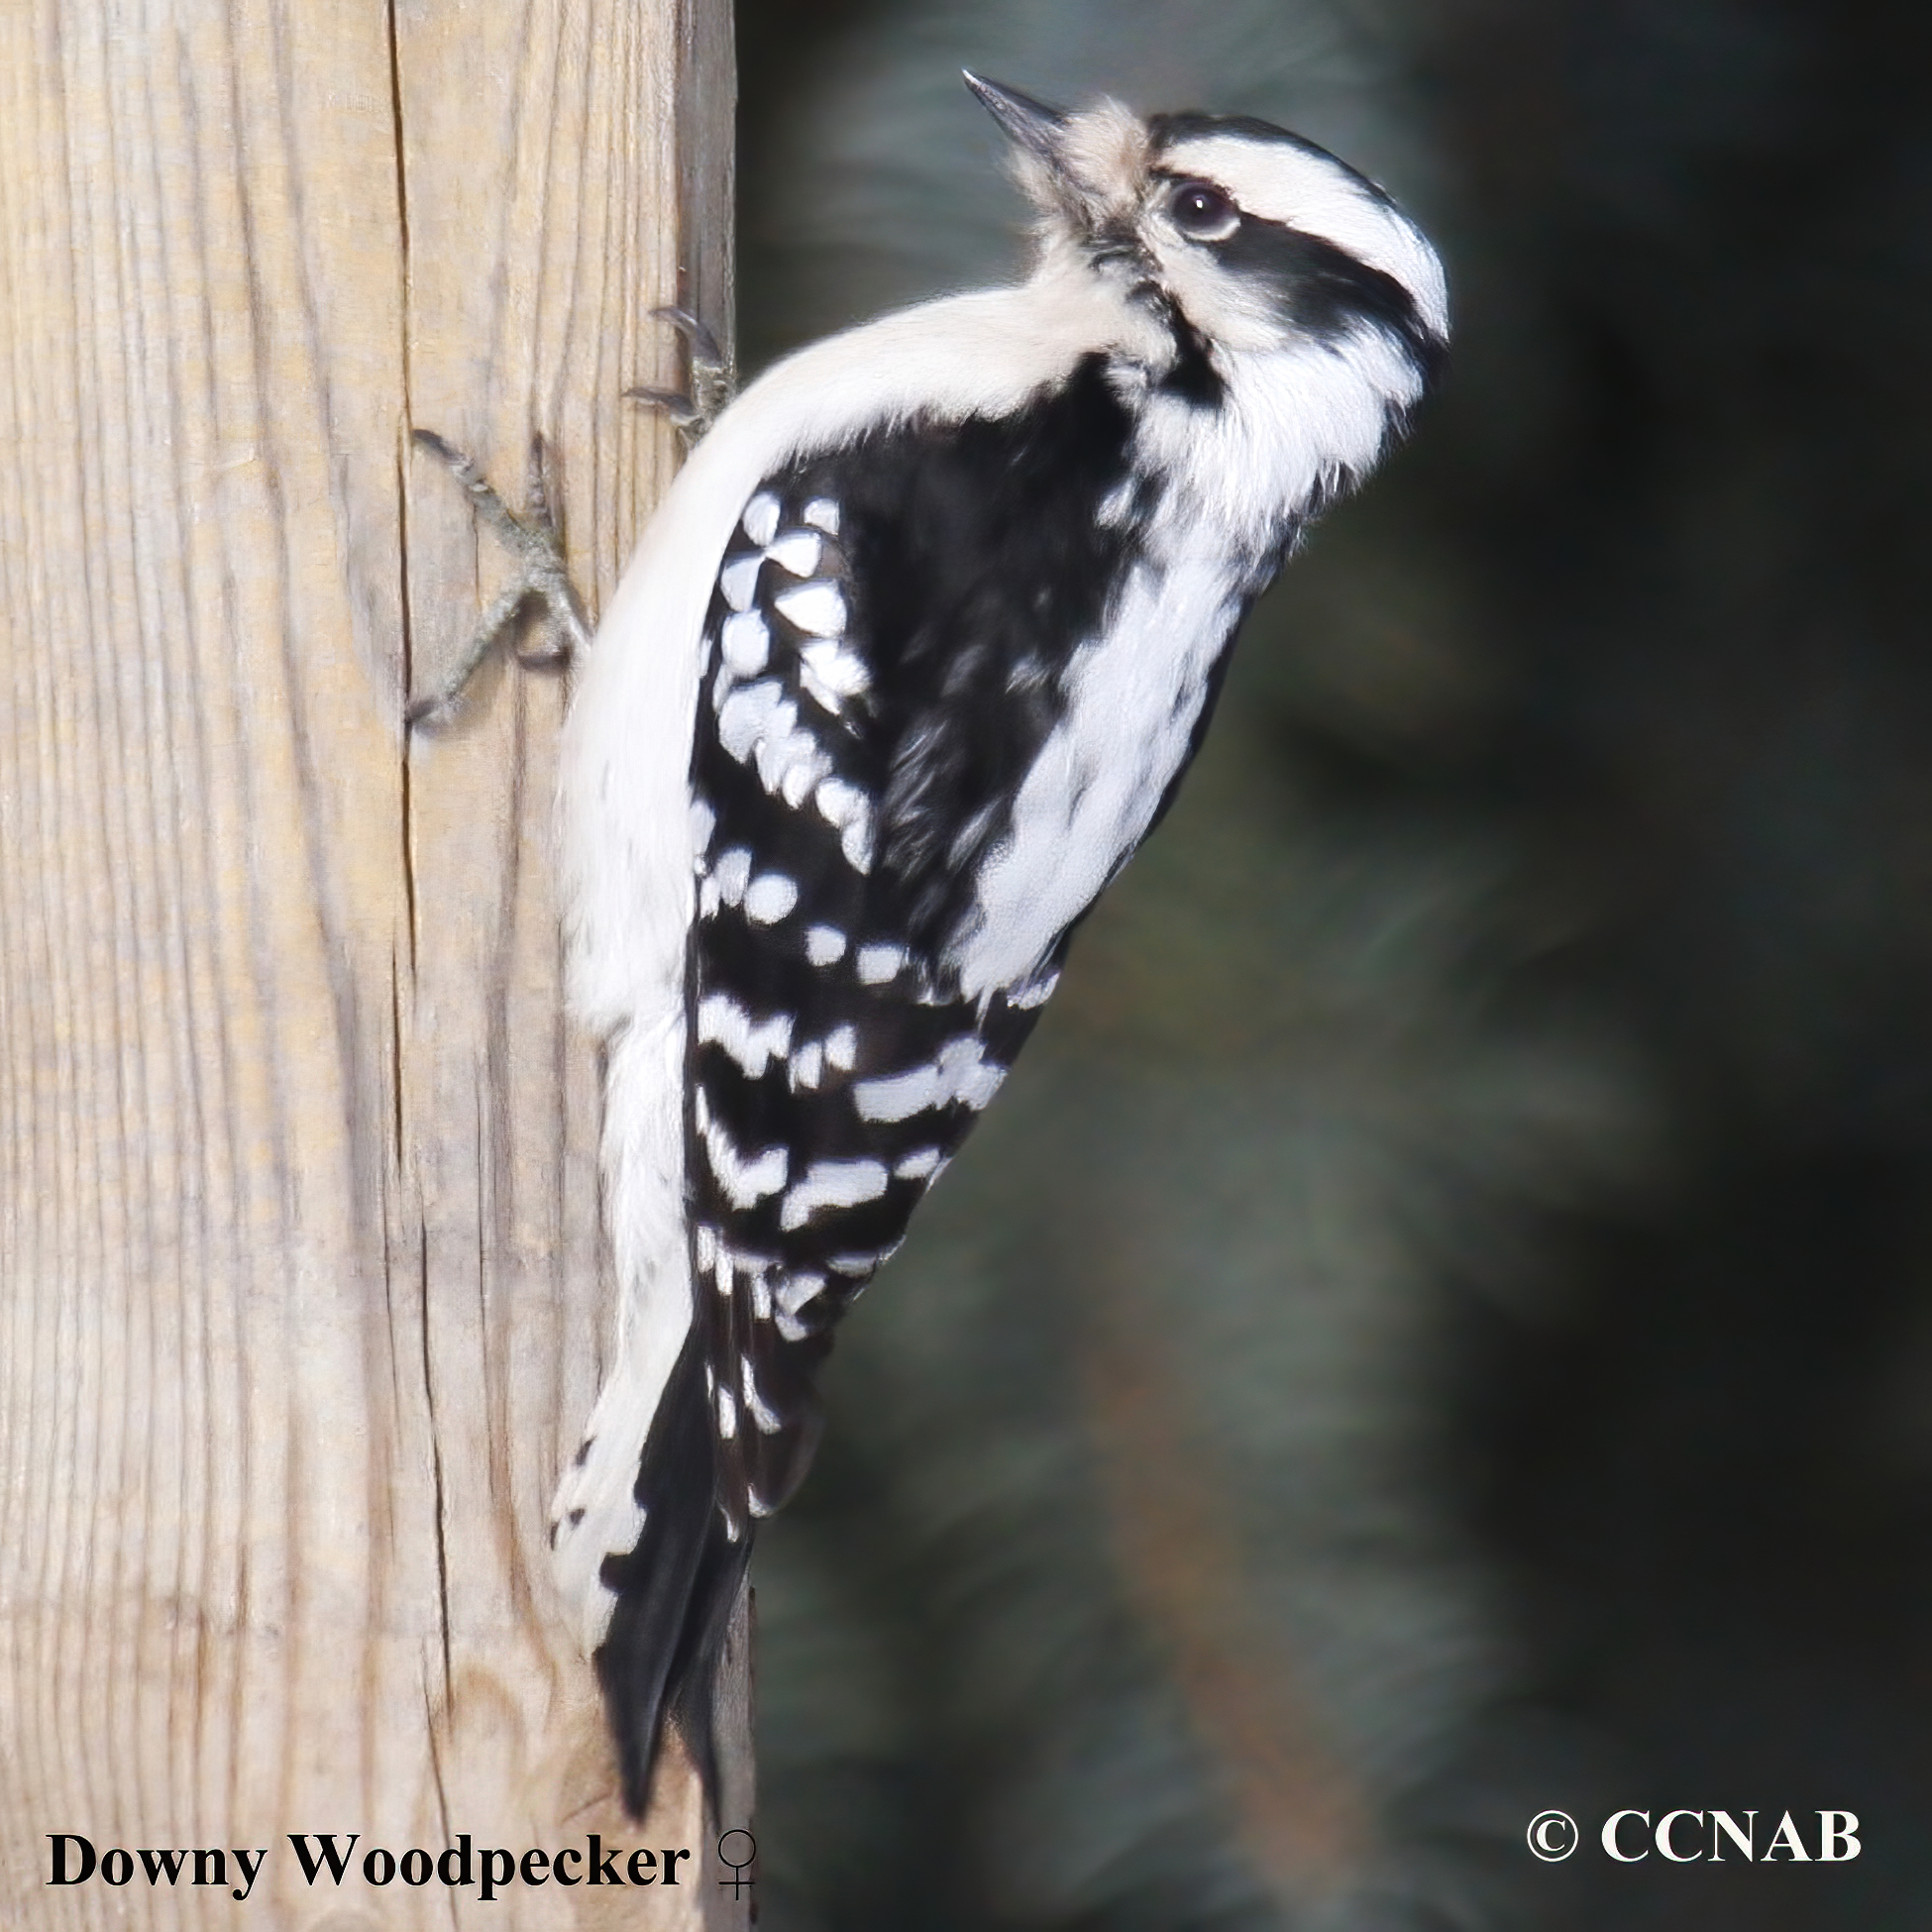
(1281,182)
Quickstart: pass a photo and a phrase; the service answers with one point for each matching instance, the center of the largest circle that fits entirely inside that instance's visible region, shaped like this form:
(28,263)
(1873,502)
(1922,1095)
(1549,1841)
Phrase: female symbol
(737,1883)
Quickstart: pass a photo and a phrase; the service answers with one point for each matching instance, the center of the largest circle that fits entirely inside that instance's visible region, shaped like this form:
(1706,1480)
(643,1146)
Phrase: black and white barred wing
(832,1073)
(887,657)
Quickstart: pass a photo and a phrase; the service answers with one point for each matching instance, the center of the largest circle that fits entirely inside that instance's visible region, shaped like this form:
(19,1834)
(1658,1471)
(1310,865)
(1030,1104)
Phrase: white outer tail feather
(643,1167)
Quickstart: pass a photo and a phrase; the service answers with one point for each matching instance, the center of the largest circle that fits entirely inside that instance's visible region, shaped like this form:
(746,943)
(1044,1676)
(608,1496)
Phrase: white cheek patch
(1240,315)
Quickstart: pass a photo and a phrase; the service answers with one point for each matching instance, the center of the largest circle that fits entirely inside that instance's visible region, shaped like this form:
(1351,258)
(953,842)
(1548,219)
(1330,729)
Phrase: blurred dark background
(1438,1326)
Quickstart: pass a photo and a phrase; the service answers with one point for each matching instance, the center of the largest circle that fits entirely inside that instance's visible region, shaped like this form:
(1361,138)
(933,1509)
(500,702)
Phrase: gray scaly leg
(542,580)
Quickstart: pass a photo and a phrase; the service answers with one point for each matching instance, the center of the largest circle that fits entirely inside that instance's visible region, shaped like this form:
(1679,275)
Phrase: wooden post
(302,1297)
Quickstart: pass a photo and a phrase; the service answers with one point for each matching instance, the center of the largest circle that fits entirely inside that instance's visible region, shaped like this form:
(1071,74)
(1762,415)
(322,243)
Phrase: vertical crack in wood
(439,1498)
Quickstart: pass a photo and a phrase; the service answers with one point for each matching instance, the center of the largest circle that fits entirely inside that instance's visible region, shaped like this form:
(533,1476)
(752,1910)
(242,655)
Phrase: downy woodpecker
(905,667)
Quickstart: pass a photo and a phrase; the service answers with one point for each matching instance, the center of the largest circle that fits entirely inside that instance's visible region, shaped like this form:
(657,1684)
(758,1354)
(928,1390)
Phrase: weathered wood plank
(301,1290)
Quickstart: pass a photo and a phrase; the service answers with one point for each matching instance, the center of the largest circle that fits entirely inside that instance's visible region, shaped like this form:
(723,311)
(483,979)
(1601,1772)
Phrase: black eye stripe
(1328,289)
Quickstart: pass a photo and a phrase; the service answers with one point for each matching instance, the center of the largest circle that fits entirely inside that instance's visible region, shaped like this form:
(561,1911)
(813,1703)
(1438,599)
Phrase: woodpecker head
(1246,236)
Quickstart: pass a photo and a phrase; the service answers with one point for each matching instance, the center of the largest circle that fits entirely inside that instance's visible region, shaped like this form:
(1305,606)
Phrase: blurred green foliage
(1435,1327)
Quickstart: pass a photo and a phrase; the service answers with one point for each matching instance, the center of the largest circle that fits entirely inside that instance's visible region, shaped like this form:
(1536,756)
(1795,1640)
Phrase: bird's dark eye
(1202,212)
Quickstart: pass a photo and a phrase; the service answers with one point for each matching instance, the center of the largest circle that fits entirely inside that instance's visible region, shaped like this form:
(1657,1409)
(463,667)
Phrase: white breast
(1294,423)
(1134,696)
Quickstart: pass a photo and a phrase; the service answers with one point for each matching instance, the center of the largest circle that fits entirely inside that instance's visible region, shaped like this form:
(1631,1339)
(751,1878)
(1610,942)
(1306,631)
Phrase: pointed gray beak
(1032,124)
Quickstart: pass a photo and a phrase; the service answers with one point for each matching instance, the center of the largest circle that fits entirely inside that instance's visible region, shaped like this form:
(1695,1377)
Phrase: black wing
(883,650)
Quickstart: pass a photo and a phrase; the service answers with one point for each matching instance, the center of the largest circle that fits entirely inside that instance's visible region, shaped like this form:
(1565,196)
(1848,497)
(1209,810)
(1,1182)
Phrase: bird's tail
(674,1591)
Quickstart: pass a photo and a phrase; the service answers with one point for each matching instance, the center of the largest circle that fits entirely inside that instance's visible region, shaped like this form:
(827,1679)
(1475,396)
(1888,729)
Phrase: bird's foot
(542,580)
(713,379)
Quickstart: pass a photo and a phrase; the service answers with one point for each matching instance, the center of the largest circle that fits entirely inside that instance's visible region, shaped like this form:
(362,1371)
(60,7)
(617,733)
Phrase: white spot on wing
(790,760)
(769,897)
(849,811)
(797,551)
(745,643)
(738,579)
(902,1096)
(746,714)
(761,517)
(759,722)
(745,1182)
(962,1072)
(977,1081)
(919,1165)
(745,1179)
(824,944)
(878,964)
(817,607)
(822,515)
(840,803)
(832,673)
(795,1291)
(752,1044)
(768,1419)
(832,1184)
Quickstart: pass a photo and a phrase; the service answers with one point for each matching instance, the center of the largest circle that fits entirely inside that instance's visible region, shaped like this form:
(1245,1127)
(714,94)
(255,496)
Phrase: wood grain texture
(301,1296)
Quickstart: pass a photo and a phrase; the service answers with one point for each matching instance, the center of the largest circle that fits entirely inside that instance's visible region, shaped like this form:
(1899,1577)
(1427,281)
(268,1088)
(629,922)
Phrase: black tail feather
(675,1592)
(694,1672)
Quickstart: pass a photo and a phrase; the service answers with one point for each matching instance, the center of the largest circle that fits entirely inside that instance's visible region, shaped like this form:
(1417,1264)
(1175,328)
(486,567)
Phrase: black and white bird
(908,663)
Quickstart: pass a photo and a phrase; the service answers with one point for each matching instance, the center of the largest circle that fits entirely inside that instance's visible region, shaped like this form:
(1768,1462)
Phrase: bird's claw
(542,578)
(705,345)
(713,378)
